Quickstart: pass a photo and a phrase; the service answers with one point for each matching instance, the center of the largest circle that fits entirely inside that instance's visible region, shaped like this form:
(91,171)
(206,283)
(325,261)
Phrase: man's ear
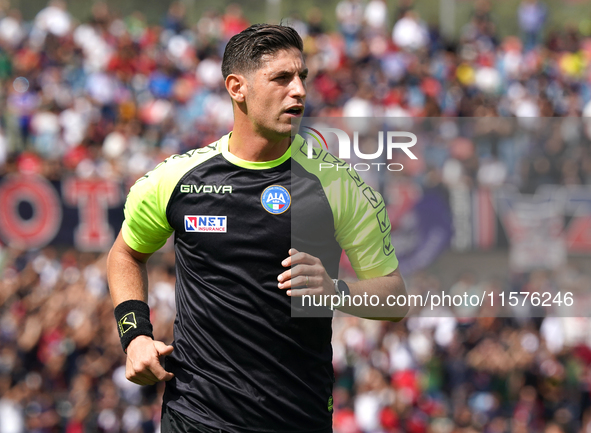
(236,87)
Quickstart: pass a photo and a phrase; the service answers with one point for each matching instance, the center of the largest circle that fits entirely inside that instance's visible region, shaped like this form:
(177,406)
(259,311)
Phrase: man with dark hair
(244,52)
(239,361)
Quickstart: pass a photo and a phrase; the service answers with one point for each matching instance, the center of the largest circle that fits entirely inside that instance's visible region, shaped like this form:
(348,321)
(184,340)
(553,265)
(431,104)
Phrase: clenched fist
(143,364)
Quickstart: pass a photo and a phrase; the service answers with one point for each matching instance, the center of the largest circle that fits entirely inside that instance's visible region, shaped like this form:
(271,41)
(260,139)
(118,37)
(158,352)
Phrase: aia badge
(275,199)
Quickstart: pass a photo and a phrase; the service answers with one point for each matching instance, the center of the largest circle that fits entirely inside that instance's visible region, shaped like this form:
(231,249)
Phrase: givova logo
(275,199)
(206,223)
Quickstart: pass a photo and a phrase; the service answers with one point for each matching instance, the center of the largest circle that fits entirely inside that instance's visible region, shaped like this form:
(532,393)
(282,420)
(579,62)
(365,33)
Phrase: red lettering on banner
(578,236)
(41,228)
(93,197)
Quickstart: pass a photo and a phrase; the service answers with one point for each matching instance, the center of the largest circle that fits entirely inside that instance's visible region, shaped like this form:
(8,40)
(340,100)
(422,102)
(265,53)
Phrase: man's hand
(143,366)
(307,275)
(378,295)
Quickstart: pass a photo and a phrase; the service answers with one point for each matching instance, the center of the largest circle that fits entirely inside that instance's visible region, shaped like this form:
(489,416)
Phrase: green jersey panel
(146,227)
(362,226)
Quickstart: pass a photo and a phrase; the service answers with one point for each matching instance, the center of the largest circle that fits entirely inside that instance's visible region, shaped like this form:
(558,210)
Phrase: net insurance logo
(318,135)
(206,224)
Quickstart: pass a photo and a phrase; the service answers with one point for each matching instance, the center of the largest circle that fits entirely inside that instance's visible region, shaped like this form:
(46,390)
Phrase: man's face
(276,94)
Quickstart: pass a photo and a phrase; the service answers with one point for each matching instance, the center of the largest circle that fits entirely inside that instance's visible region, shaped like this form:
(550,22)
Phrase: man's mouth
(296,110)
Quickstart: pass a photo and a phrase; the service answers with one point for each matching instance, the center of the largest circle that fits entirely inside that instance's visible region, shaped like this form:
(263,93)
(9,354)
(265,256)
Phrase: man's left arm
(378,297)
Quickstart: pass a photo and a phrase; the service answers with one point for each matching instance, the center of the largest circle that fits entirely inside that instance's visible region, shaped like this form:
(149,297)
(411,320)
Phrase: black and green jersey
(241,362)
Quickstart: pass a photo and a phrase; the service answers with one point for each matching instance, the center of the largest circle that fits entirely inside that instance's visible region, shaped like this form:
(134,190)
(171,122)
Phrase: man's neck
(256,148)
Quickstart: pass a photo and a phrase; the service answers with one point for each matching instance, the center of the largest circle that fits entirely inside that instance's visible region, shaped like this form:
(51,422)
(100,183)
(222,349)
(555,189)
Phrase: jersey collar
(251,164)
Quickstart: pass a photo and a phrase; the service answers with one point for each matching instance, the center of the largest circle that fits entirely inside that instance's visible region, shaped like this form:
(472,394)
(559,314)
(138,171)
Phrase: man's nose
(298,88)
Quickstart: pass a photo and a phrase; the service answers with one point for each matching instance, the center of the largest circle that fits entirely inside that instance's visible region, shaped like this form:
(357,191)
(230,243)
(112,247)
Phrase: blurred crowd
(112,96)
(452,375)
(62,368)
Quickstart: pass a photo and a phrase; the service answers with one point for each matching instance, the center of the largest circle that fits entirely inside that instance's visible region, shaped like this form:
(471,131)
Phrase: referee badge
(275,199)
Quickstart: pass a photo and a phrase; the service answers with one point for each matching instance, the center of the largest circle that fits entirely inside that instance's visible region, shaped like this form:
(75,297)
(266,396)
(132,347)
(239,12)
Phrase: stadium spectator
(532,16)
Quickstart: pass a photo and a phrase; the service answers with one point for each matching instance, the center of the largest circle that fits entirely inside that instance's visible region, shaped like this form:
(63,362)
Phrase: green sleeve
(362,226)
(146,227)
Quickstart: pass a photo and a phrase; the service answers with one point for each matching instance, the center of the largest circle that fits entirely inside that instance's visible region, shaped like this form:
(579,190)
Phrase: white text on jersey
(206,189)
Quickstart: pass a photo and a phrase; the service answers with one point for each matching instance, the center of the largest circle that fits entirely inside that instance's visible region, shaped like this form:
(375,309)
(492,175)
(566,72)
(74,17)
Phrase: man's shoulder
(323,164)
(185,161)
(173,168)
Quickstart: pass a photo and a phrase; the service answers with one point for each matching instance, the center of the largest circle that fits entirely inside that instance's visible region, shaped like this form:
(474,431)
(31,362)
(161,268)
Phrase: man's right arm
(128,280)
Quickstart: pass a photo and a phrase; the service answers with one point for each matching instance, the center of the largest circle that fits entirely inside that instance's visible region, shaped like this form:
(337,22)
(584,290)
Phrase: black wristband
(133,319)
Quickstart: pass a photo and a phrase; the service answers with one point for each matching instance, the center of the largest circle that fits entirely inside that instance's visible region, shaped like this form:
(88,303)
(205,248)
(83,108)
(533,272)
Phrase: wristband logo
(127,322)
(275,199)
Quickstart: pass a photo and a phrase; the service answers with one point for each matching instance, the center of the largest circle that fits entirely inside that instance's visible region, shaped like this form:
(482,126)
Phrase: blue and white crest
(276,199)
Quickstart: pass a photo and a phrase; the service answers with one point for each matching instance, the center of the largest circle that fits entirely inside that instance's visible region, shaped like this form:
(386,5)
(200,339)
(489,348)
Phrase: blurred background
(95,94)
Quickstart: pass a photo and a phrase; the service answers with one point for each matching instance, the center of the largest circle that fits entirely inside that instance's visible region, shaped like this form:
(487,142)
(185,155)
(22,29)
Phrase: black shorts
(175,422)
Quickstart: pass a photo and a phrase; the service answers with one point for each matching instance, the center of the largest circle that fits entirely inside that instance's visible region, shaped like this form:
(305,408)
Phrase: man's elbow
(399,291)
(398,313)
(120,250)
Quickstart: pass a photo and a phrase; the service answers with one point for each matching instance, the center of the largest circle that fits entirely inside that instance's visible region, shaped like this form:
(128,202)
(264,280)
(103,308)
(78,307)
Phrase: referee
(239,362)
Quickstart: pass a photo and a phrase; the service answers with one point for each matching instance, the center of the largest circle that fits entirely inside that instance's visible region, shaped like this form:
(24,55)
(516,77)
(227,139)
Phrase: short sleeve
(146,227)
(362,226)
(361,222)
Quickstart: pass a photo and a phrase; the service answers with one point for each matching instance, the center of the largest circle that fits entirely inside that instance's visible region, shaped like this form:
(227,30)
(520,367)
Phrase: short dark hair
(245,50)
